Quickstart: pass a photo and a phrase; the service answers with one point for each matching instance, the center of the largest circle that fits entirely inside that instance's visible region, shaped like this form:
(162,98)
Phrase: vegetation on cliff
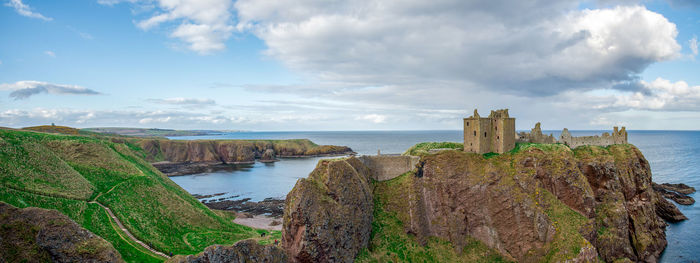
(72,174)
(390,243)
(425,147)
(537,203)
(41,235)
(230,151)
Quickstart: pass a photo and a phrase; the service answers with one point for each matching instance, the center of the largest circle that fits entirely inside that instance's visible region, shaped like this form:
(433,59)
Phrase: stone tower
(493,134)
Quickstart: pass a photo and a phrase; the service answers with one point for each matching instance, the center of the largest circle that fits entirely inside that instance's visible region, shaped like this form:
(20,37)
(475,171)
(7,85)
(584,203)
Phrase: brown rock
(328,215)
(667,210)
(41,235)
(679,188)
(268,156)
(678,197)
(626,220)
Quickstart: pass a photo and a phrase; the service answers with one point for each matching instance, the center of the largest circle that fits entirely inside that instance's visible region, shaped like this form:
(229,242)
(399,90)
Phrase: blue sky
(339,65)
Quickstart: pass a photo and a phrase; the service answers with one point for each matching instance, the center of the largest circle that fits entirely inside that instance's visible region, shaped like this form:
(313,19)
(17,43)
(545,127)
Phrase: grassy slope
(425,147)
(65,172)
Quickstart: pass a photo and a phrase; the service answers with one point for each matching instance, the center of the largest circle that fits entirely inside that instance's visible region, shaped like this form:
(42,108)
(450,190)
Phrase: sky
(349,65)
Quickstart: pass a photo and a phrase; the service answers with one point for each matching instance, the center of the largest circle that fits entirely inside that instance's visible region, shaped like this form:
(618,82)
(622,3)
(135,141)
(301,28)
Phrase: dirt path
(132,237)
(109,211)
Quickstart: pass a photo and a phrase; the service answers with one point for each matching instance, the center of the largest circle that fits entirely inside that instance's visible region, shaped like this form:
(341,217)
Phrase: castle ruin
(618,137)
(496,133)
(493,134)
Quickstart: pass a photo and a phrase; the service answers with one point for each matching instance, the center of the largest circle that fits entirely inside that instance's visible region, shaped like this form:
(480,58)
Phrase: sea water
(673,156)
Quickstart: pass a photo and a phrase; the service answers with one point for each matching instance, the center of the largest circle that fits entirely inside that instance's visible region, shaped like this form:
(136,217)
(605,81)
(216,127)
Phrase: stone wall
(536,136)
(618,137)
(386,167)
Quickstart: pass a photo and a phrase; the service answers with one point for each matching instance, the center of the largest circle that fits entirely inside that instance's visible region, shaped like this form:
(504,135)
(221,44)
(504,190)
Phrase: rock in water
(328,216)
(41,235)
(680,188)
(244,251)
(676,192)
(667,210)
(268,156)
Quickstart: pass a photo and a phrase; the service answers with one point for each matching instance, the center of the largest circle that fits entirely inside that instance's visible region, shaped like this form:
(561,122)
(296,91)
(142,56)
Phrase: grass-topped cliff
(536,203)
(231,151)
(76,174)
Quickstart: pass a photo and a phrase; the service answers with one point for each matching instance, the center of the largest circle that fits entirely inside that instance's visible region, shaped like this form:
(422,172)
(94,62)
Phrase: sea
(674,157)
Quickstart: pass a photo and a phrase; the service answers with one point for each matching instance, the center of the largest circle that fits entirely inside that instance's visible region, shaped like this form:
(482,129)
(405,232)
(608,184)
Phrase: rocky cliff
(42,235)
(177,157)
(328,216)
(537,203)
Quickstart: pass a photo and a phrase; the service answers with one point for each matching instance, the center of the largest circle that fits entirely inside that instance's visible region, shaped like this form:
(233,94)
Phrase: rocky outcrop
(268,156)
(461,194)
(676,192)
(245,251)
(541,203)
(626,224)
(42,235)
(328,216)
(667,210)
(178,157)
(679,188)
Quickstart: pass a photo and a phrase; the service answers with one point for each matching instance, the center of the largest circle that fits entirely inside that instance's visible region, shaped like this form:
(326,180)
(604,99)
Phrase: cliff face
(231,151)
(42,235)
(328,216)
(626,221)
(540,203)
(609,188)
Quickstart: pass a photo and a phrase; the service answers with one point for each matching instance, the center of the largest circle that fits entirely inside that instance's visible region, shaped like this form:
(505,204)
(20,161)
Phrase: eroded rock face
(626,220)
(328,216)
(42,235)
(464,195)
(245,251)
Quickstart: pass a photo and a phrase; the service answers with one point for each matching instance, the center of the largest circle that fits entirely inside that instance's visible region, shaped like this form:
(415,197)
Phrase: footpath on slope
(109,212)
(119,223)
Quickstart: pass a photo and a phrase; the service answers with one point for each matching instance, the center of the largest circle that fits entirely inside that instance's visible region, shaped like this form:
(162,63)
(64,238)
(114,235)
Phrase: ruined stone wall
(618,137)
(386,167)
(536,136)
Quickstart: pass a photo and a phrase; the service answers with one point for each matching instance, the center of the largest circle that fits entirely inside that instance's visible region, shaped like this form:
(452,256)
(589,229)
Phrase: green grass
(390,243)
(65,172)
(568,241)
(425,147)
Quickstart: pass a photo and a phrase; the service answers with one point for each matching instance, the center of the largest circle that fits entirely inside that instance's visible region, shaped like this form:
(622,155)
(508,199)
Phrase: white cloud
(375,118)
(203,25)
(25,10)
(533,48)
(27,88)
(693,44)
(50,53)
(658,95)
(184,101)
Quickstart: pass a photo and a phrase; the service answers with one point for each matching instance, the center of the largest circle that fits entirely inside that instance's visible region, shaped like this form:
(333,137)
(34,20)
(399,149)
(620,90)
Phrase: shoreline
(171,169)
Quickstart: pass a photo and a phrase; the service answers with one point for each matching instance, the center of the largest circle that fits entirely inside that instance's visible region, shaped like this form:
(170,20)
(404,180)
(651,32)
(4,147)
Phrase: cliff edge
(537,203)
